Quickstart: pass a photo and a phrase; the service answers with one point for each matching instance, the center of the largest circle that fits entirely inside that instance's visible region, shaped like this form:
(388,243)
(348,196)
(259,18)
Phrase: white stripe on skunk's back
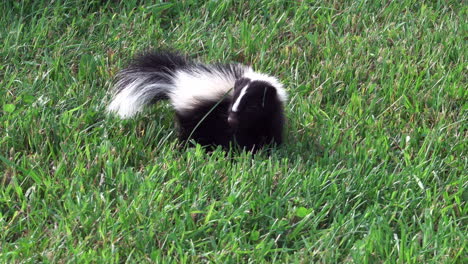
(195,85)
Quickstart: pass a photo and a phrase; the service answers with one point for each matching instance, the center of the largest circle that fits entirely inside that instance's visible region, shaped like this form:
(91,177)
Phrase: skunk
(216,104)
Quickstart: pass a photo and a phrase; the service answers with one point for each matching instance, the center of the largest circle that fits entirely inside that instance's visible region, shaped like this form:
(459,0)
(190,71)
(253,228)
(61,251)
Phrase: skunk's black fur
(217,104)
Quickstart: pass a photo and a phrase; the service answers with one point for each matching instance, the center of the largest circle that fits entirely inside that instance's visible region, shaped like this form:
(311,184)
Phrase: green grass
(373,169)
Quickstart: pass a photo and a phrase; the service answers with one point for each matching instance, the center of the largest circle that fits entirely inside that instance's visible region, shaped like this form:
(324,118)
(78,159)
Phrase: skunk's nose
(233,121)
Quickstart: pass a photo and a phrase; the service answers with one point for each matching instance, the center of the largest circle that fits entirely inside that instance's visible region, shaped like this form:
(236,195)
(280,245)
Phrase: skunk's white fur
(193,88)
(134,92)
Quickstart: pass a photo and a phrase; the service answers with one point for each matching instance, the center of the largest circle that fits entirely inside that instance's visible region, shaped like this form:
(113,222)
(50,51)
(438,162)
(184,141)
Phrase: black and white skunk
(216,104)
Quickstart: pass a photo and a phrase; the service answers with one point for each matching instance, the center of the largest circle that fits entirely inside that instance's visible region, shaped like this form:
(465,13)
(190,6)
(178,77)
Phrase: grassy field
(373,169)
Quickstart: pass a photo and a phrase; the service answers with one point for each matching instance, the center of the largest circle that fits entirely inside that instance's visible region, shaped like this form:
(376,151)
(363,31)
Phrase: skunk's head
(254,102)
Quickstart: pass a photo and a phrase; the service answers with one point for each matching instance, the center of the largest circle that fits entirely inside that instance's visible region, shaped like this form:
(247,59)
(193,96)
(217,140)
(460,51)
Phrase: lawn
(373,168)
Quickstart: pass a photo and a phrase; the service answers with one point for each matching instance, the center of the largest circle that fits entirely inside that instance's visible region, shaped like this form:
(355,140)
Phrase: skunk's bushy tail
(148,79)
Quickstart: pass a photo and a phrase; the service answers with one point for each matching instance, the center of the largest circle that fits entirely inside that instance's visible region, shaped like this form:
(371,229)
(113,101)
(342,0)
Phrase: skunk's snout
(233,120)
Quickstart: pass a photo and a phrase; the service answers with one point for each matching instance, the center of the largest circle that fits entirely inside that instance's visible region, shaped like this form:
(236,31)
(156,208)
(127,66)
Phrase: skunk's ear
(269,93)
(268,96)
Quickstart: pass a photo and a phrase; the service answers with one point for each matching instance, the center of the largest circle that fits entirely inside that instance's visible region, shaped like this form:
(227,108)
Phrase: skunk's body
(215,104)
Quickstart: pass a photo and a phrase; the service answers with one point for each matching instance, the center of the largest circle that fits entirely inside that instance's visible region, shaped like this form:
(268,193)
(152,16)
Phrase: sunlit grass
(373,168)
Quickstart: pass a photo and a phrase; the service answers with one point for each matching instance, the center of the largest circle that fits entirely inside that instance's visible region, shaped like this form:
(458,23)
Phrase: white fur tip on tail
(126,103)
